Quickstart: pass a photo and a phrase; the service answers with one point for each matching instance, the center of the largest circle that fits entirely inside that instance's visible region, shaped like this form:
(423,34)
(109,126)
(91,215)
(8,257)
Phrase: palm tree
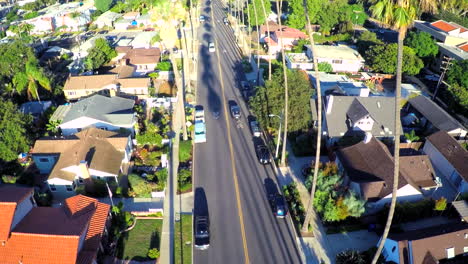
(286,95)
(268,29)
(258,40)
(30,80)
(318,93)
(249,31)
(399,14)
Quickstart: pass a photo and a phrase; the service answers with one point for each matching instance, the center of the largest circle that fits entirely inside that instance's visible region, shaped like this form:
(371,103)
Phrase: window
(465,249)
(450,252)
(71,93)
(52,187)
(69,188)
(43,160)
(337,61)
(393,249)
(79,129)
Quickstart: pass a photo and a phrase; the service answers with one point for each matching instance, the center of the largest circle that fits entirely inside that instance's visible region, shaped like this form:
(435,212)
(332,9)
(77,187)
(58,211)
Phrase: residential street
(242,226)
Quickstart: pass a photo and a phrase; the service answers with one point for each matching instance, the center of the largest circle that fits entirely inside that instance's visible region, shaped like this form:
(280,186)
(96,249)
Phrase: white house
(342,58)
(109,113)
(299,61)
(107,19)
(448,157)
(75,160)
(284,37)
(339,84)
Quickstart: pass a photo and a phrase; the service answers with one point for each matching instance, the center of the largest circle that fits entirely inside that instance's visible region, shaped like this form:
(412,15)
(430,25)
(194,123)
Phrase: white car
(211,47)
(202,19)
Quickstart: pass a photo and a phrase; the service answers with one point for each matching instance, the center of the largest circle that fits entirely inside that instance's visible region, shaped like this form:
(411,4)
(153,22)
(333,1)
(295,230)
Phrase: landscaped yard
(183,235)
(134,244)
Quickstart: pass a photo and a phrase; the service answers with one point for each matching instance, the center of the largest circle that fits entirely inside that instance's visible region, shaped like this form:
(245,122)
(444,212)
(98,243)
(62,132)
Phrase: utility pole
(446,63)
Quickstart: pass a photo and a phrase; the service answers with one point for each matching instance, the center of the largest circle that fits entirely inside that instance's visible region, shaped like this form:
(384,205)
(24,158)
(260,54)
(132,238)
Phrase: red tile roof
(287,32)
(464,47)
(7,211)
(444,26)
(10,196)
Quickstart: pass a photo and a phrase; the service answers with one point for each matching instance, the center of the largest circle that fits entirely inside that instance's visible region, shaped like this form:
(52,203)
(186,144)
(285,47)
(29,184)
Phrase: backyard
(134,244)
(183,240)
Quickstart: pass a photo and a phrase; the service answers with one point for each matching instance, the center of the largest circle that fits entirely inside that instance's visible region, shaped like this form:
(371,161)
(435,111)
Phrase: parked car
(245,85)
(255,128)
(278,205)
(202,19)
(225,21)
(263,154)
(211,47)
(235,110)
(202,232)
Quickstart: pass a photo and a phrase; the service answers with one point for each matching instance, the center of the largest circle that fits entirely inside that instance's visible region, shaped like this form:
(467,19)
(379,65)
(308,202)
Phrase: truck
(200,126)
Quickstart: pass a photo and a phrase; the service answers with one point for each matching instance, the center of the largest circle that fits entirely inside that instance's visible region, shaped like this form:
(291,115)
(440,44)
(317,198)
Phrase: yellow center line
(231,149)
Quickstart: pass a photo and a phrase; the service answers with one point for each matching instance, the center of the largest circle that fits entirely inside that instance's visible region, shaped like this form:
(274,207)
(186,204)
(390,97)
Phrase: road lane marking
(231,149)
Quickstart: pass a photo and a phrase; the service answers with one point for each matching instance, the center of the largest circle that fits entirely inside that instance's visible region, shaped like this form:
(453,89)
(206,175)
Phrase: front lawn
(134,244)
(183,240)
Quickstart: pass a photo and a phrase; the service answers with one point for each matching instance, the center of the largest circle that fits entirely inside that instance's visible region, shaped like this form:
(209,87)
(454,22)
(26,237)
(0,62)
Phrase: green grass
(185,151)
(134,245)
(183,234)
(185,187)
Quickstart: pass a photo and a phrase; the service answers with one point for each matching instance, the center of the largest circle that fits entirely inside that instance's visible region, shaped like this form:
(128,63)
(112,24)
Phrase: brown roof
(8,211)
(123,49)
(273,26)
(14,194)
(452,151)
(91,145)
(10,196)
(89,81)
(123,71)
(287,32)
(444,26)
(134,82)
(431,243)
(418,170)
(143,56)
(52,235)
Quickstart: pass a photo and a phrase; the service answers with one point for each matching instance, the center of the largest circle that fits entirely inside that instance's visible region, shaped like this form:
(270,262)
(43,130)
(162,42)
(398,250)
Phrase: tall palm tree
(268,30)
(30,80)
(249,30)
(318,92)
(399,14)
(286,95)
(258,40)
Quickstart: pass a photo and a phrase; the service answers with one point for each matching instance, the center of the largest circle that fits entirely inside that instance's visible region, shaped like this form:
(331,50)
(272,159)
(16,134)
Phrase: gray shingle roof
(435,114)
(356,111)
(114,110)
(381,110)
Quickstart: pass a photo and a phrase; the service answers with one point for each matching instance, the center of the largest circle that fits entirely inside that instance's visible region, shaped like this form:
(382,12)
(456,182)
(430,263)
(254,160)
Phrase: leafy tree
(440,204)
(365,40)
(411,136)
(13,59)
(119,7)
(164,66)
(255,7)
(460,95)
(161,175)
(13,131)
(52,126)
(150,138)
(325,67)
(184,176)
(422,43)
(30,80)
(383,58)
(30,15)
(350,257)
(153,253)
(457,73)
(355,206)
(358,15)
(300,46)
(296,18)
(103,5)
(100,54)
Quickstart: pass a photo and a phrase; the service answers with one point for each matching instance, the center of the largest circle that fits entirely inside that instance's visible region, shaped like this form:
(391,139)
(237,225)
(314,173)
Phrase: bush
(139,187)
(325,67)
(43,199)
(9,179)
(440,204)
(184,176)
(153,253)
(164,66)
(161,175)
(185,151)
(295,206)
(30,15)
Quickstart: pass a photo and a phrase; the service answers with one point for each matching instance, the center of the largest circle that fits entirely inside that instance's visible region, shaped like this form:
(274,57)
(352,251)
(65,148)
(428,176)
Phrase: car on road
(235,110)
(263,154)
(202,232)
(255,128)
(211,47)
(278,205)
(202,18)
(225,21)
(245,85)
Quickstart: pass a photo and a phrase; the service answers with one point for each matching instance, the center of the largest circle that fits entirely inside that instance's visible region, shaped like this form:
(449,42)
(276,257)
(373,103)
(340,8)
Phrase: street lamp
(279,131)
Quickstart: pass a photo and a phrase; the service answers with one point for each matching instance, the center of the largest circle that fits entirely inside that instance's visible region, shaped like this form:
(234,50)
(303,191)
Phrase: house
(130,20)
(452,39)
(144,59)
(77,87)
(432,245)
(448,157)
(342,58)
(339,84)
(285,37)
(75,160)
(348,116)
(462,209)
(69,234)
(143,40)
(112,113)
(368,169)
(107,19)
(426,115)
(36,109)
(298,61)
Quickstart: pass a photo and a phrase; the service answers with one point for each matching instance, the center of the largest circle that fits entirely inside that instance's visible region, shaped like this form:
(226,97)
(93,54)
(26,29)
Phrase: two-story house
(109,113)
(75,160)
(72,233)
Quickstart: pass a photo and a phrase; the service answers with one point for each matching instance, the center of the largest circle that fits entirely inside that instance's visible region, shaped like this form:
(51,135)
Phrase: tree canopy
(13,131)
(100,54)
(383,58)
(103,5)
(422,43)
(458,81)
(269,99)
(365,40)
(256,6)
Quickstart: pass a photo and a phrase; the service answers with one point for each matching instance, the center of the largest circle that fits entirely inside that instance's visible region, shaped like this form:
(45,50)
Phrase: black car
(245,85)
(278,205)
(202,232)
(235,110)
(263,154)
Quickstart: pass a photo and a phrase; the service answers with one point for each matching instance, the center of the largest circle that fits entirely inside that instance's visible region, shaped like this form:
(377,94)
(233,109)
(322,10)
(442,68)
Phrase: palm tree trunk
(258,42)
(242,9)
(249,32)
(268,29)
(318,91)
(396,154)
(286,98)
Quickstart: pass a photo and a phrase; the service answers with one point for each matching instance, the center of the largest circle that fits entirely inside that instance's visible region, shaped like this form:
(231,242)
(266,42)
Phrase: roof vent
(378,104)
(367,138)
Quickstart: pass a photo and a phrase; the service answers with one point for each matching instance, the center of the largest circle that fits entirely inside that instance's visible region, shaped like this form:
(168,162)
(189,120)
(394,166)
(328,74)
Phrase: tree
(255,7)
(30,80)
(296,18)
(460,95)
(365,40)
(350,257)
(13,59)
(164,66)
(103,5)
(53,126)
(440,204)
(383,58)
(457,73)
(14,125)
(325,67)
(400,14)
(422,43)
(355,206)
(300,46)
(100,54)
(411,136)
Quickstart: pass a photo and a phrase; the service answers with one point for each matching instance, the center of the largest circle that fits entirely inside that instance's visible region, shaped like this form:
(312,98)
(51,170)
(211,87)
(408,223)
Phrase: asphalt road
(243,227)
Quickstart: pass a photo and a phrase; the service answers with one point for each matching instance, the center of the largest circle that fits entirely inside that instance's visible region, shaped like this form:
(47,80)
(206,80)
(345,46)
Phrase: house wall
(71,127)
(406,193)
(391,251)
(128,150)
(142,69)
(78,93)
(60,185)
(22,209)
(121,26)
(344,66)
(44,163)
(299,65)
(458,133)
(365,124)
(135,90)
(83,238)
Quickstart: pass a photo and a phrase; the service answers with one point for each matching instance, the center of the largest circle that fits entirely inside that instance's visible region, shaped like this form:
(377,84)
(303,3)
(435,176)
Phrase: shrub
(185,151)
(325,67)
(296,208)
(30,15)
(9,179)
(164,66)
(161,175)
(140,187)
(440,204)
(43,199)
(153,253)
(184,176)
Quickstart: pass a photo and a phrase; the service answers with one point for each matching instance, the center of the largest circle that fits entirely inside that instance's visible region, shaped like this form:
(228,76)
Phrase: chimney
(367,137)
(329,104)
(84,171)
(112,93)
